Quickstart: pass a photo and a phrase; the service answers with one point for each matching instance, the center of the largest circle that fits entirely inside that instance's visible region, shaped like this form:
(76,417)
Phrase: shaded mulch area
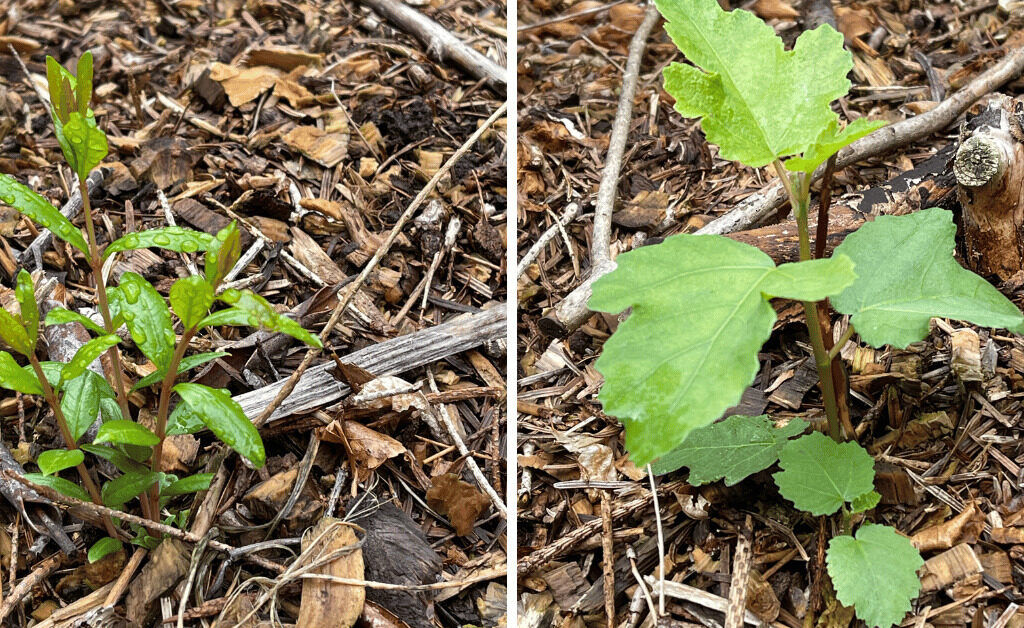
(948,458)
(313,124)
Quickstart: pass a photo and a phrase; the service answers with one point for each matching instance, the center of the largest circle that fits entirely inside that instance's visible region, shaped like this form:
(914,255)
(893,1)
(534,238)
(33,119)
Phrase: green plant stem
(799,196)
(162,414)
(69,440)
(847,521)
(96,262)
(845,338)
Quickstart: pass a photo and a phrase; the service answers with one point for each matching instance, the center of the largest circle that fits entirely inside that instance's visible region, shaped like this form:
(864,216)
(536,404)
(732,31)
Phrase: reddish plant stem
(162,414)
(824,203)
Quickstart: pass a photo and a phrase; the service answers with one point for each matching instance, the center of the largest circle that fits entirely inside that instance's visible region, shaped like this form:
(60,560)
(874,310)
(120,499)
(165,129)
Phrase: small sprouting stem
(162,415)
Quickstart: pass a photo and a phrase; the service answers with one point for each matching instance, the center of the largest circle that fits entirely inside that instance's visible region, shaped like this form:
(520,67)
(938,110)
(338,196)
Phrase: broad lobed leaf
(819,475)
(831,141)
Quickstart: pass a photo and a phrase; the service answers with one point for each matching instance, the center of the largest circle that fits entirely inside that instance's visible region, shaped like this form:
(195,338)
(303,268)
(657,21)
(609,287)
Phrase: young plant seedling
(77,395)
(701,303)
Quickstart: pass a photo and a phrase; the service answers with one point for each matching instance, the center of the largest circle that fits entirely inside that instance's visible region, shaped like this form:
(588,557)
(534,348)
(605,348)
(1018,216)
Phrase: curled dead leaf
(460,501)
(963,528)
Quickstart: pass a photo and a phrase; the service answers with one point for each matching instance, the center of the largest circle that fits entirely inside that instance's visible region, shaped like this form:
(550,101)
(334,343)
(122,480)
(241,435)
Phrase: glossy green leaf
(831,141)
(83,82)
(187,363)
(757,101)
(700,315)
(56,460)
(190,484)
(129,432)
(127,486)
(13,333)
(81,401)
(86,354)
(122,461)
(225,418)
(148,319)
(191,298)
(184,421)
(56,75)
(51,370)
(251,310)
(907,274)
(59,484)
(223,254)
(733,449)
(17,378)
(103,547)
(875,572)
(40,210)
(61,316)
(83,143)
(819,475)
(170,238)
(25,293)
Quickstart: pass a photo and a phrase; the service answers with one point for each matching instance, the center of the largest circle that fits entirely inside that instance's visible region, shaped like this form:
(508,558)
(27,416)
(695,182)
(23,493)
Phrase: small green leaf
(41,211)
(14,334)
(734,449)
(875,573)
(25,293)
(51,370)
(251,310)
(81,401)
(907,275)
(148,319)
(59,484)
(14,377)
(698,301)
(757,101)
(128,432)
(223,253)
(83,82)
(170,238)
(187,363)
(191,484)
(191,298)
(61,316)
(83,143)
(120,460)
(86,354)
(56,74)
(225,418)
(184,421)
(56,460)
(103,547)
(867,501)
(819,475)
(125,487)
(831,141)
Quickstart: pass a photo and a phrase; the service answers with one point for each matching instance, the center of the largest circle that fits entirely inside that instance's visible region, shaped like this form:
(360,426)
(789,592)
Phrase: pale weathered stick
(568,215)
(441,45)
(698,596)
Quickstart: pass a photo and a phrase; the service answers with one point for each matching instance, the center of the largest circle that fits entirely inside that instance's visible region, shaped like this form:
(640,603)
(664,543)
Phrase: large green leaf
(128,432)
(183,421)
(758,101)
(831,141)
(119,459)
(819,475)
(13,333)
(86,354)
(733,449)
(148,319)
(223,253)
(56,460)
(191,298)
(41,211)
(251,310)
(225,418)
(83,143)
(25,293)
(187,363)
(59,484)
(170,238)
(60,316)
(81,401)
(875,573)
(127,486)
(700,315)
(14,377)
(190,484)
(103,547)
(907,274)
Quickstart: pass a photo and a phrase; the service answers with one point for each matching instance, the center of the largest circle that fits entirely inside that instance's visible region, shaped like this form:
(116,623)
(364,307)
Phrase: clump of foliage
(76,394)
(701,303)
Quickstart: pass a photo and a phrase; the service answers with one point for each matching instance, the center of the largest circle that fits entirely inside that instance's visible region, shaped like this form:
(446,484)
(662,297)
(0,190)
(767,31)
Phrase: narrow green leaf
(14,377)
(14,334)
(25,293)
(86,354)
(170,238)
(831,141)
(128,432)
(56,460)
(61,316)
(190,484)
(56,74)
(225,418)
(875,573)
(697,301)
(148,319)
(819,475)
(757,101)
(191,298)
(83,143)
(223,253)
(123,488)
(184,421)
(81,401)
(59,484)
(734,449)
(103,547)
(251,310)
(51,370)
(40,210)
(83,82)
(907,274)
(120,460)
(187,363)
